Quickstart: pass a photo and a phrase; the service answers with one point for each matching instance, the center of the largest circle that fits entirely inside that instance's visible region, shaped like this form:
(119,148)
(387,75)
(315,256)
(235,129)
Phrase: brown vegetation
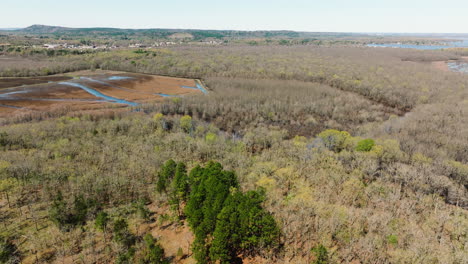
(401,199)
(47,94)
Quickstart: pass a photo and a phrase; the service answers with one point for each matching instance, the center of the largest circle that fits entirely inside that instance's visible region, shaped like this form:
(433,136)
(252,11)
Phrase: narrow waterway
(99,94)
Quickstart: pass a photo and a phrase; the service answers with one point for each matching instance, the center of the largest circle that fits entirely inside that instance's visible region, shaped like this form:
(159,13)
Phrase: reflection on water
(198,87)
(118,78)
(167,95)
(11,93)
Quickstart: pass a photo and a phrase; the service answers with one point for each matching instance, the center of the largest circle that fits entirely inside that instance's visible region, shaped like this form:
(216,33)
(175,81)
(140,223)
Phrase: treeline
(42,52)
(383,76)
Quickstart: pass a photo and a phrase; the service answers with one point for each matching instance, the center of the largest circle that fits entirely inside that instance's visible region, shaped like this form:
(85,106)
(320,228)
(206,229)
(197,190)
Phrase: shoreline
(443,65)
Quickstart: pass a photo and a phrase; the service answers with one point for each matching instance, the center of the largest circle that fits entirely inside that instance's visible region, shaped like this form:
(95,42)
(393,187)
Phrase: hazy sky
(301,15)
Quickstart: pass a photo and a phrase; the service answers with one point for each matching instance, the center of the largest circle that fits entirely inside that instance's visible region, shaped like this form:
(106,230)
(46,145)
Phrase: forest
(298,153)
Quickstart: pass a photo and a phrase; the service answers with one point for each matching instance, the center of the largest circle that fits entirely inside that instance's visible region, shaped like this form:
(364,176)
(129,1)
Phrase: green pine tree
(166,174)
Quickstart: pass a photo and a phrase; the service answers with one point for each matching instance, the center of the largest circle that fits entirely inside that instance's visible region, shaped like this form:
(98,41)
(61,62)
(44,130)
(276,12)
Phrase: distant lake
(453,44)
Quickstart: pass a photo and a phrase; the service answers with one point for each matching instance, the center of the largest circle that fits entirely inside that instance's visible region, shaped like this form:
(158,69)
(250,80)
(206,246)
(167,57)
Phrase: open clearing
(87,90)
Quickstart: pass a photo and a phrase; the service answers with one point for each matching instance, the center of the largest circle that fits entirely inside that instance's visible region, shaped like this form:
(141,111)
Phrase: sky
(405,16)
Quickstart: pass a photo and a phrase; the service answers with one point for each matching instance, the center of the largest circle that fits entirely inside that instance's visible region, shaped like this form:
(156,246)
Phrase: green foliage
(166,173)
(66,216)
(392,239)
(321,255)
(236,221)
(58,211)
(210,188)
(334,140)
(211,137)
(180,253)
(180,183)
(3,139)
(180,188)
(186,123)
(284,42)
(154,251)
(120,226)
(142,211)
(365,145)
(140,51)
(101,221)
(80,210)
(243,226)
(207,197)
(121,233)
(126,257)
(8,250)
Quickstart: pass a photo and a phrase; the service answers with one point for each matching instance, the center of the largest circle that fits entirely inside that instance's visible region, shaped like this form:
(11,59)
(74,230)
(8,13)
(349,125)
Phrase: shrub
(334,140)
(154,251)
(365,145)
(7,250)
(121,233)
(186,123)
(67,216)
(392,239)
(142,211)
(101,221)
(211,138)
(321,254)
(126,257)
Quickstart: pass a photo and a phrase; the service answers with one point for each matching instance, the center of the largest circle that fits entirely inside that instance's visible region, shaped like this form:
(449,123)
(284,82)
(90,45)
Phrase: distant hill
(195,34)
(43,29)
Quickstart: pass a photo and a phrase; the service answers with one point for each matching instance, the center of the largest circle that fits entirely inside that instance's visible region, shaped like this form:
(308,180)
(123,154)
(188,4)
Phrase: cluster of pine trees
(226,222)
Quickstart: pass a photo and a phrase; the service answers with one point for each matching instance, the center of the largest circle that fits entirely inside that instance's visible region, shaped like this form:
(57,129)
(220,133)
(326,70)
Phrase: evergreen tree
(58,212)
(205,202)
(80,210)
(166,174)
(155,253)
(181,185)
(226,235)
(180,188)
(66,216)
(225,221)
(122,234)
(321,254)
(243,226)
(196,197)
